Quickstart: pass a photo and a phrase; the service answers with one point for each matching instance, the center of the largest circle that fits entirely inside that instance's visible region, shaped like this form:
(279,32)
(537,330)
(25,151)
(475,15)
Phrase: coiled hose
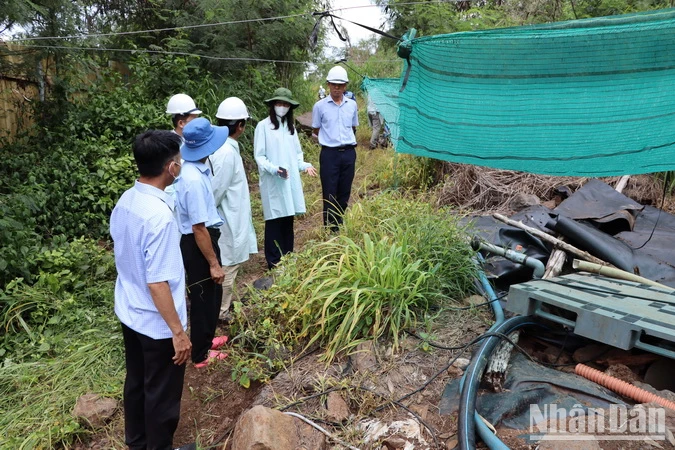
(467,403)
(492,441)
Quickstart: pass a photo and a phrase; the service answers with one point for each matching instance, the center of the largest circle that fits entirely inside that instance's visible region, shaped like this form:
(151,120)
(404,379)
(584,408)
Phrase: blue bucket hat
(201,139)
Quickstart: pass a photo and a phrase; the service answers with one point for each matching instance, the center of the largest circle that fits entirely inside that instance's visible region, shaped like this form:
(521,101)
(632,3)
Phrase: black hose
(467,403)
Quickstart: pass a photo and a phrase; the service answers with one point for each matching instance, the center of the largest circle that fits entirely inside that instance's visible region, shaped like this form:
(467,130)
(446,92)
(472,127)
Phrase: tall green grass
(394,258)
(59,339)
(37,397)
(365,291)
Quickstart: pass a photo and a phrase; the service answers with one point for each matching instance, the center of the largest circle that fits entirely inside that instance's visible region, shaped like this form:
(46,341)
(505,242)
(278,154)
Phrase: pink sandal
(218,342)
(213,356)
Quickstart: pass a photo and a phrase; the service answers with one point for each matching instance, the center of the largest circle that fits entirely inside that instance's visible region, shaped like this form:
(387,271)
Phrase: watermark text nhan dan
(550,422)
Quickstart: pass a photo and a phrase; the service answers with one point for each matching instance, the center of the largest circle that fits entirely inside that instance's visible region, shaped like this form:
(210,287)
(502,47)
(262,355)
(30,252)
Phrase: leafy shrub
(407,172)
(18,241)
(69,267)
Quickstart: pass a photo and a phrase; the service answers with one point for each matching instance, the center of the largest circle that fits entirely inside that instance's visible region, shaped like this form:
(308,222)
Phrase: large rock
(94,409)
(262,428)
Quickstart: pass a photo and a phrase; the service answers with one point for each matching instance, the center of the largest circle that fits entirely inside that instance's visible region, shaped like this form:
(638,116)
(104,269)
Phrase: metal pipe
(517,257)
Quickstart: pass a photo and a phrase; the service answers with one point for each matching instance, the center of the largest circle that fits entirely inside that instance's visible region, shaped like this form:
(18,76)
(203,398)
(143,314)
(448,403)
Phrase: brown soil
(211,404)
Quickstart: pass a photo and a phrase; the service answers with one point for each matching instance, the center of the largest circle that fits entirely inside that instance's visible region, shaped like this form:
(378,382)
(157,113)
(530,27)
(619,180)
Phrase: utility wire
(197,55)
(164,52)
(155,30)
(232,22)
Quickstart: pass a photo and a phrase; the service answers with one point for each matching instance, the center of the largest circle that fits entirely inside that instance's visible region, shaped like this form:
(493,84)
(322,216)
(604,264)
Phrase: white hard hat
(182,104)
(232,108)
(337,75)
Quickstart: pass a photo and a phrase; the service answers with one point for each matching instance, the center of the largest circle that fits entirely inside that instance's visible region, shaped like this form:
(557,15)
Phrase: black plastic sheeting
(596,219)
(528,383)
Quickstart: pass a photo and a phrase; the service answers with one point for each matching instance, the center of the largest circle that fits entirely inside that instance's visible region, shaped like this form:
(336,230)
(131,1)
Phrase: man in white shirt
(150,295)
(334,122)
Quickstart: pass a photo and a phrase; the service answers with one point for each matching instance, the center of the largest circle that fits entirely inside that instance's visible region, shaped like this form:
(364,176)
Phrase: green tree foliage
(430,18)
(282,39)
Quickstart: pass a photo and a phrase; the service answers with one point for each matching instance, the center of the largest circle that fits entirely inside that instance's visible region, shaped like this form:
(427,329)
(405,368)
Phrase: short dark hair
(153,149)
(231,125)
(176,117)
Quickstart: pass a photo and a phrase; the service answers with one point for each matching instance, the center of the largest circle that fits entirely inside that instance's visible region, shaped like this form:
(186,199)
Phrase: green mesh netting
(592,97)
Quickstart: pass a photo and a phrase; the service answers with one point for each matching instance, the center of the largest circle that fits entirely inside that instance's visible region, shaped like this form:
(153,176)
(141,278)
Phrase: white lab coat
(274,149)
(233,201)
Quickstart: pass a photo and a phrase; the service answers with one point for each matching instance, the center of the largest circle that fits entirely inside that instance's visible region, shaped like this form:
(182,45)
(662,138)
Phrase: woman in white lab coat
(280,161)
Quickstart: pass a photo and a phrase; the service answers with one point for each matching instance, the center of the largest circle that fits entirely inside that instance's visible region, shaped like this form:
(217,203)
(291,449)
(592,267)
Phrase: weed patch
(379,277)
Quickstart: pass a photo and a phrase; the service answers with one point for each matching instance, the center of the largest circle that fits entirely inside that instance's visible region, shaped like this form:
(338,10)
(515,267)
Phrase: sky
(371,16)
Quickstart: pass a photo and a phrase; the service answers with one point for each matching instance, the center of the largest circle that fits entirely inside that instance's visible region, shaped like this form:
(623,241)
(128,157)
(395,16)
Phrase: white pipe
(614,273)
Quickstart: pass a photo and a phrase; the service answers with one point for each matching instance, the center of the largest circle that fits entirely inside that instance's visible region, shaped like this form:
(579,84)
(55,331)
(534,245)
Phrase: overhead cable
(155,30)
(166,52)
(232,22)
(196,55)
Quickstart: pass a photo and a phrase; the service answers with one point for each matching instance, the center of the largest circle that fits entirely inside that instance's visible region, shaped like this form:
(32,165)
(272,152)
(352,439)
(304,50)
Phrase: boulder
(304,123)
(262,428)
(264,283)
(94,409)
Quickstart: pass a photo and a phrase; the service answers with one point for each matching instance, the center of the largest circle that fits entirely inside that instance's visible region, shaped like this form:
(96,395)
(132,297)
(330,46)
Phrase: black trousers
(152,391)
(205,295)
(279,239)
(337,174)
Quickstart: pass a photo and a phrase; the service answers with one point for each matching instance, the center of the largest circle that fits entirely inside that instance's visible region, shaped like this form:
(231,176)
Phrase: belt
(342,148)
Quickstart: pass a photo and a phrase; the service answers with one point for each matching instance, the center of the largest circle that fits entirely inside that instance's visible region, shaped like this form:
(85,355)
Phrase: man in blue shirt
(334,122)
(150,295)
(199,223)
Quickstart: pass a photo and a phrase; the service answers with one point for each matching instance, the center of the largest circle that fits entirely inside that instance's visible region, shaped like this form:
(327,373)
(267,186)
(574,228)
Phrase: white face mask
(281,110)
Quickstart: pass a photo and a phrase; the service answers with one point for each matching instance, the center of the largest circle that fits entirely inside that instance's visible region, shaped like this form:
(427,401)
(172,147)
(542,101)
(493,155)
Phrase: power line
(185,27)
(164,52)
(196,55)
(234,22)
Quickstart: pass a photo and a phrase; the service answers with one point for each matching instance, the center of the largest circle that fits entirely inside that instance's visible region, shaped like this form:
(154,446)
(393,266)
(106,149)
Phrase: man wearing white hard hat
(334,121)
(182,109)
(230,188)
(199,223)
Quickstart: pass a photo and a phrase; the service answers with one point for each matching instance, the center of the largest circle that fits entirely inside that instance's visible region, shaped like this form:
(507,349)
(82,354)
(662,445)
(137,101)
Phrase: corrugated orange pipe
(621,387)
